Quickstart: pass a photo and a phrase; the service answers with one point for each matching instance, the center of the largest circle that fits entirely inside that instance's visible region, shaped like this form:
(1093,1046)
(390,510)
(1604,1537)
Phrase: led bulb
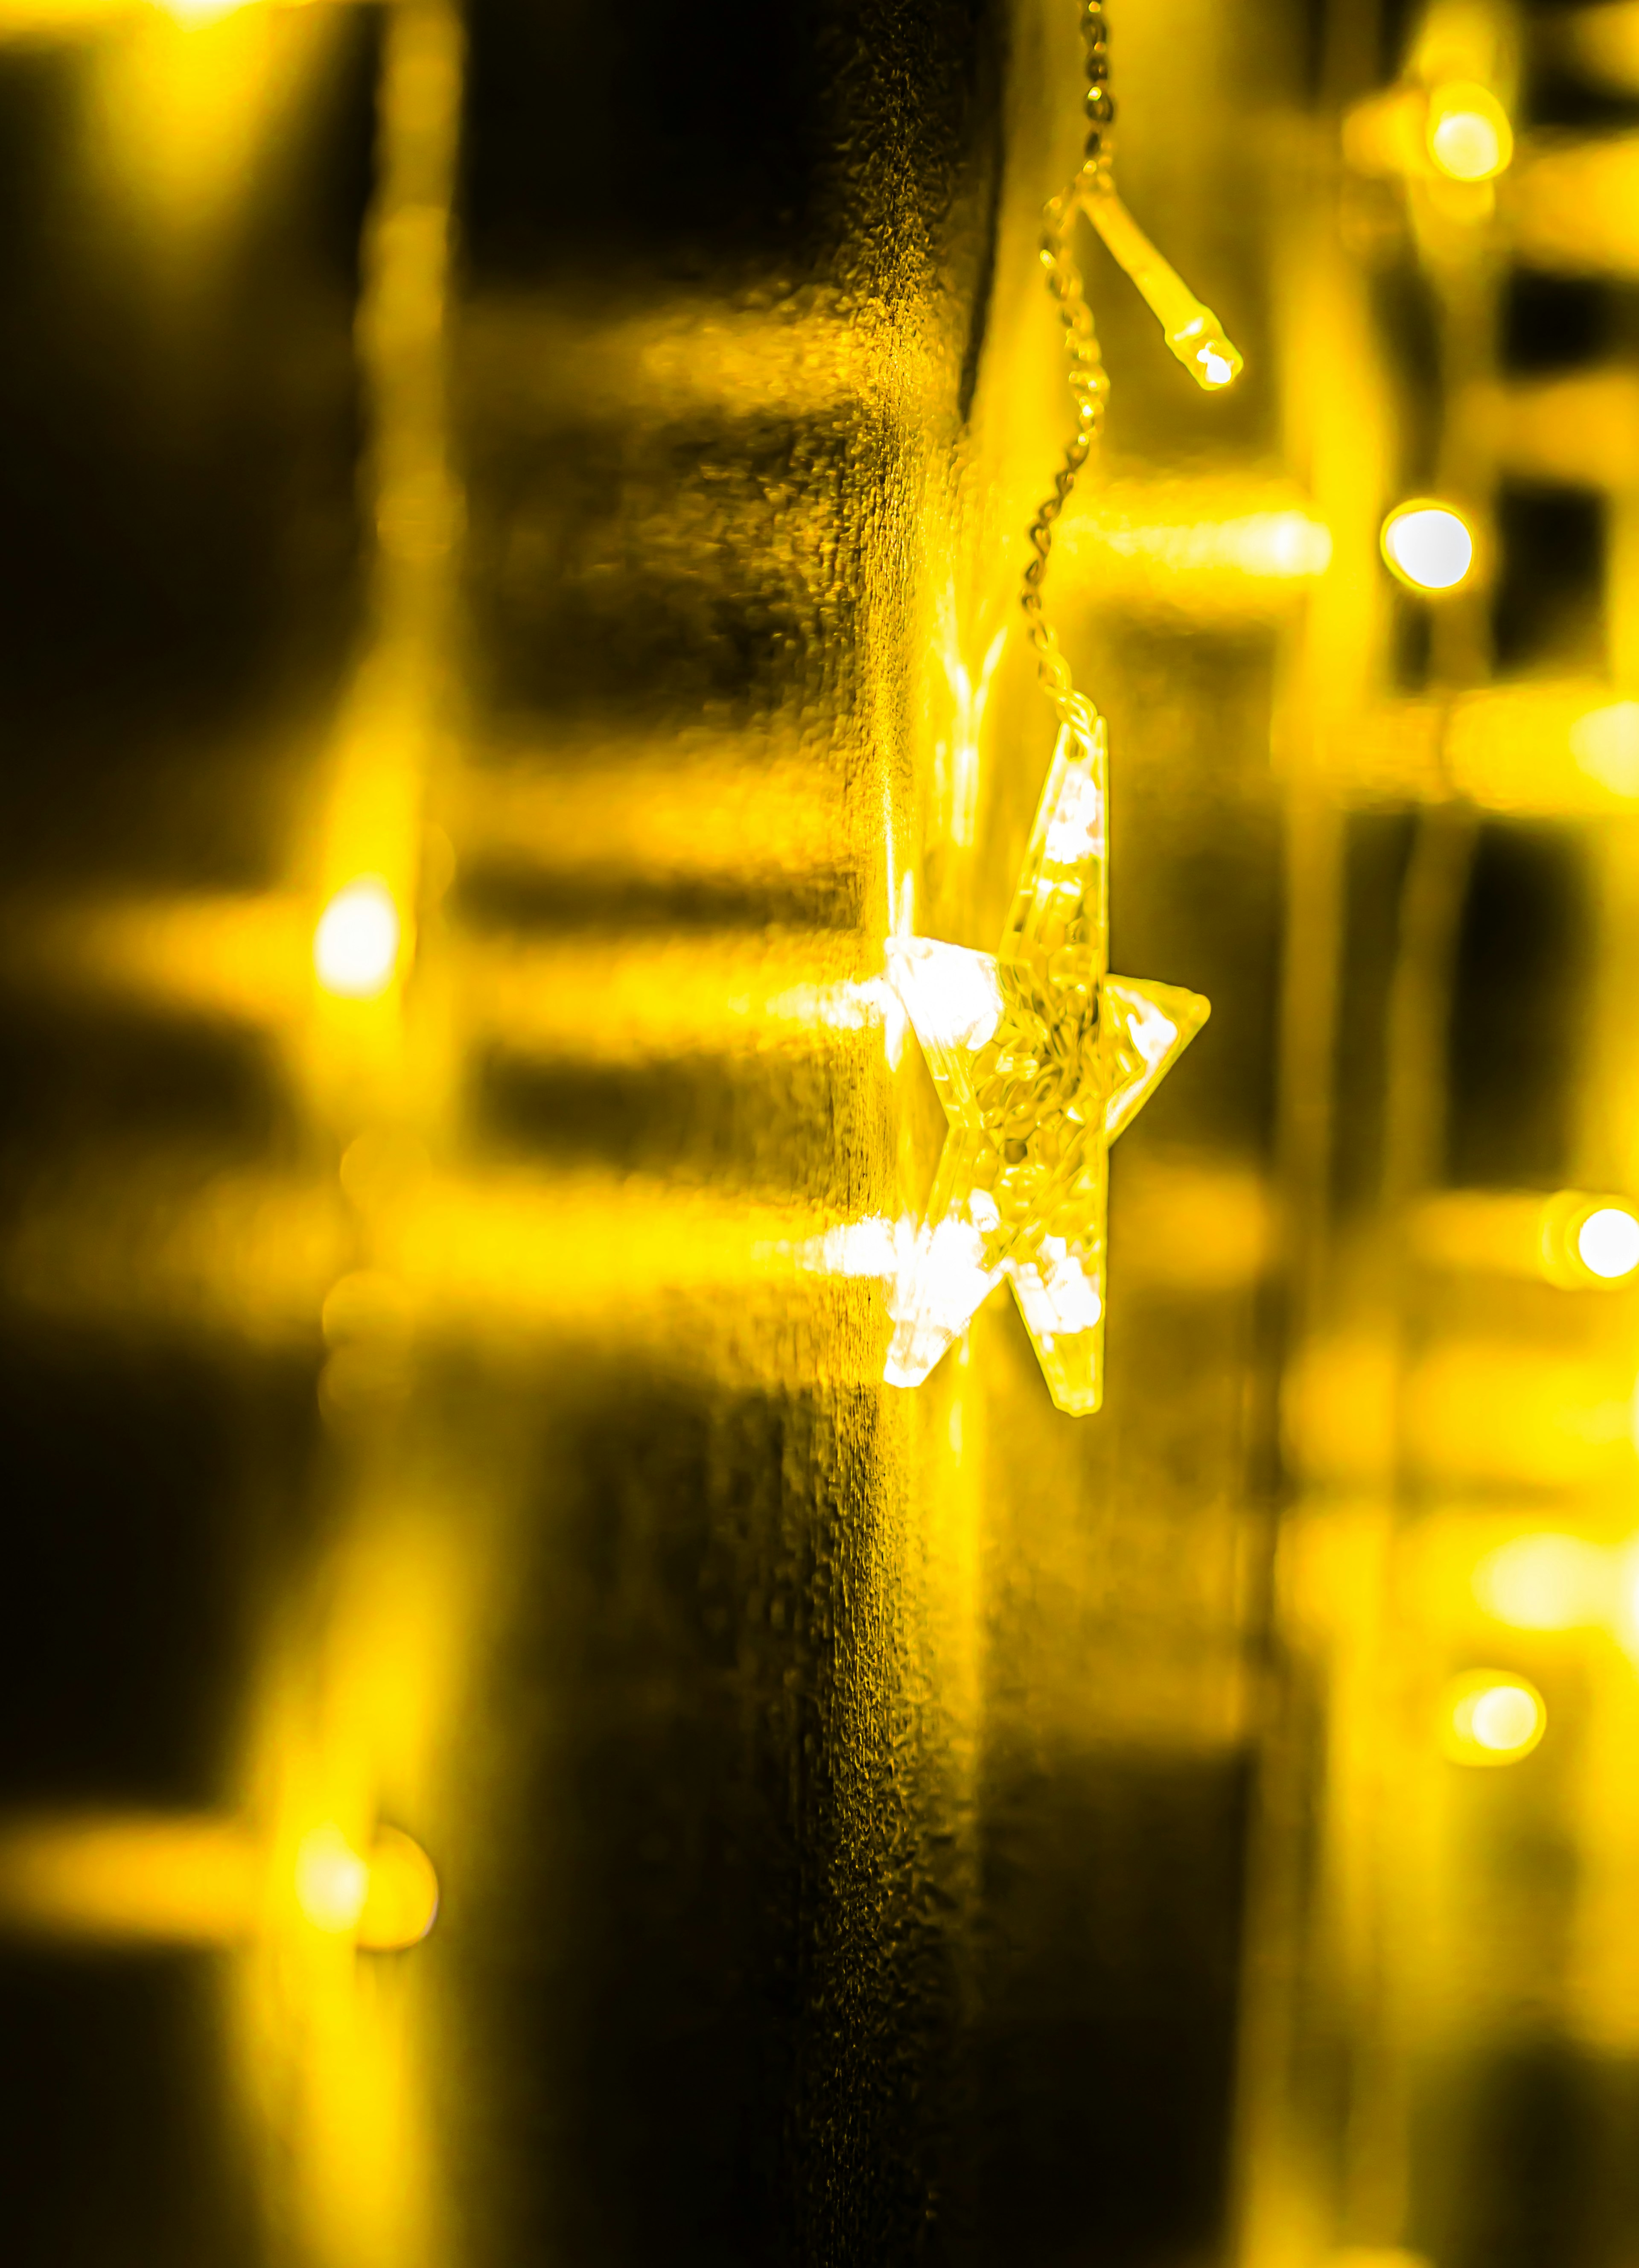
(1211,359)
(385,1902)
(1468,135)
(1428,546)
(401,1903)
(1492,1717)
(1192,331)
(332,1880)
(1607,1243)
(355,948)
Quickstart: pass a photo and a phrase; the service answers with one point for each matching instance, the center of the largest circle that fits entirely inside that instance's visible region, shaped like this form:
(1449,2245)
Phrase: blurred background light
(355,948)
(1606,745)
(1469,136)
(1608,1243)
(1546,1582)
(1428,546)
(400,1899)
(1492,1718)
(332,1880)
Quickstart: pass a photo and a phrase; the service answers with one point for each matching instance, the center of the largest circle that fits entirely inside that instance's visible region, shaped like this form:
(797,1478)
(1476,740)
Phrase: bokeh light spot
(401,1901)
(1492,1717)
(1469,136)
(1505,1719)
(332,1880)
(1544,1582)
(1428,546)
(355,948)
(1607,1243)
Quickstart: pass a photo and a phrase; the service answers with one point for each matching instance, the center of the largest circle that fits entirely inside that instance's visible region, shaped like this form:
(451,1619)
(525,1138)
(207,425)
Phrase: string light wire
(1193,333)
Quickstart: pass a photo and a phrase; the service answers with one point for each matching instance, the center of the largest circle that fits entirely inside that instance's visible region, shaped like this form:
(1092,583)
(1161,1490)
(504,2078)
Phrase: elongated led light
(1192,331)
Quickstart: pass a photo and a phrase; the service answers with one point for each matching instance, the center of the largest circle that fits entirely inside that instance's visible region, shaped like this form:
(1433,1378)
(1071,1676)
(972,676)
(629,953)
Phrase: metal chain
(1090,381)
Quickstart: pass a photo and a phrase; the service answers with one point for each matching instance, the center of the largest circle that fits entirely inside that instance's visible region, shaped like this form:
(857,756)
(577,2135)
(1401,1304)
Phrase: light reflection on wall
(1506,1427)
(309,1881)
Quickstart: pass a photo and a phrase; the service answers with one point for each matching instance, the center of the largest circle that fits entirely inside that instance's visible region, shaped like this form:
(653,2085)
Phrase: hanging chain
(1090,381)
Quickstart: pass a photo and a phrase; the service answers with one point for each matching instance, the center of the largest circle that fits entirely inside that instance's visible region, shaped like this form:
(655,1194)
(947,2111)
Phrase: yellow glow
(239,958)
(1493,1718)
(1039,1058)
(401,1901)
(713,993)
(1581,428)
(1212,359)
(1505,1719)
(1200,545)
(25,17)
(1469,136)
(388,1901)
(1428,546)
(1576,205)
(186,101)
(1606,745)
(1384,133)
(180,1880)
(1544,1582)
(658,813)
(332,1880)
(1194,334)
(200,12)
(355,947)
(1551,748)
(1608,1243)
(956,753)
(1564,1239)
(206,1880)
(1603,42)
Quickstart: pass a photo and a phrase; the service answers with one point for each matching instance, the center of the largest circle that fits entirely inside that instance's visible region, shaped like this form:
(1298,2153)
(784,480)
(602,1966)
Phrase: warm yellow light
(332,1880)
(1544,1582)
(1469,136)
(355,948)
(182,1879)
(1505,1719)
(1192,331)
(401,1901)
(385,1902)
(1428,546)
(1606,745)
(190,12)
(1493,1718)
(1607,1243)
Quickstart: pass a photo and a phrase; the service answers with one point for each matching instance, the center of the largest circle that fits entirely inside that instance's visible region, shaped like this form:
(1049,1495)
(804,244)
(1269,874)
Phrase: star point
(1040,1057)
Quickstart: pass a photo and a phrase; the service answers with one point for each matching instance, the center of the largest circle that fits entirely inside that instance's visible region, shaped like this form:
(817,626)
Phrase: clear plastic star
(1040,1057)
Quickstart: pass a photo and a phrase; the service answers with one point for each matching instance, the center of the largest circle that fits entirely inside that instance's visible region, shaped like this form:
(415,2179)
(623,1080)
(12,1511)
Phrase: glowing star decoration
(1040,1057)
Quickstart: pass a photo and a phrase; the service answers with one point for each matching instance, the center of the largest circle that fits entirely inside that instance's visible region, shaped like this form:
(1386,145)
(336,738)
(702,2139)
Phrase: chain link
(1090,381)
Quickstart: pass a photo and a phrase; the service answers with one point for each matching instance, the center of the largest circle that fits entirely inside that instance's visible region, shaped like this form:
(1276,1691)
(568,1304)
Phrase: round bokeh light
(1428,546)
(1492,1717)
(1607,1243)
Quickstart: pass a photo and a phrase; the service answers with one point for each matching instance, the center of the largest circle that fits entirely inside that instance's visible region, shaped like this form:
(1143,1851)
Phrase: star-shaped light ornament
(1040,1057)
